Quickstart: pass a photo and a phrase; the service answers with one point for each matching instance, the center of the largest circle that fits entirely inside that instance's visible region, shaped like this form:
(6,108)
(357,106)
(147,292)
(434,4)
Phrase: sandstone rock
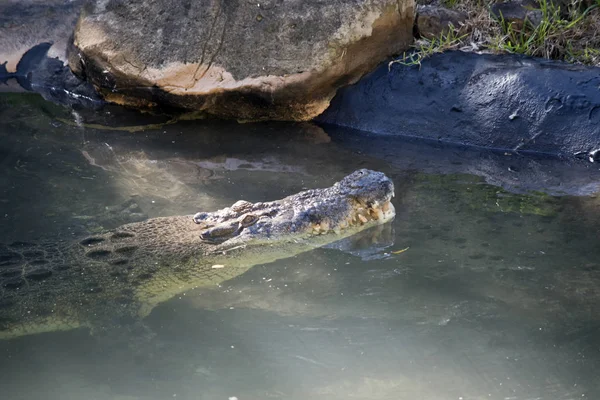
(242,59)
(434,20)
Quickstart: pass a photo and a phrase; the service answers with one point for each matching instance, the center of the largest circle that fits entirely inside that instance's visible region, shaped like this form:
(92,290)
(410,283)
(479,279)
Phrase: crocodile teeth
(363,219)
(386,206)
(379,214)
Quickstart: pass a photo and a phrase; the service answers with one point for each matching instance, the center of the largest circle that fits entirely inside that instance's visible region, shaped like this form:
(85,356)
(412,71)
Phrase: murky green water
(496,296)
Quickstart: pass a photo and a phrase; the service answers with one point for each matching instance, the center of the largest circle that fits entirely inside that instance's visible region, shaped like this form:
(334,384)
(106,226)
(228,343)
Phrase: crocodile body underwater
(119,276)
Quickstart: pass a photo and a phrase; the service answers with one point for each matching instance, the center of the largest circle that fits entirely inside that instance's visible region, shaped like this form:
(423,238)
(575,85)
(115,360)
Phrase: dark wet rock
(504,102)
(236,59)
(25,24)
(517,12)
(51,78)
(35,37)
(27,63)
(434,20)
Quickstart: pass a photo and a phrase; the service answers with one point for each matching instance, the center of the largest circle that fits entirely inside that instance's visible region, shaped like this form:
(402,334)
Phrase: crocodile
(106,280)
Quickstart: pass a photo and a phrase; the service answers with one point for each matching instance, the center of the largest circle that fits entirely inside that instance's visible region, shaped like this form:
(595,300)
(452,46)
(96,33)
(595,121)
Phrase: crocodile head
(359,201)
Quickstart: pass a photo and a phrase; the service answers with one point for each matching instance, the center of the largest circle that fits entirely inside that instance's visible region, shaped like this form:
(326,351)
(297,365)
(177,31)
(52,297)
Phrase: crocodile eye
(199,217)
(248,220)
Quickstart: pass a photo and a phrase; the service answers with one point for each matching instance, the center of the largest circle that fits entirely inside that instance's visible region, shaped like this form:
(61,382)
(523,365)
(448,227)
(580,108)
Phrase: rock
(34,37)
(236,59)
(27,23)
(505,102)
(517,12)
(433,20)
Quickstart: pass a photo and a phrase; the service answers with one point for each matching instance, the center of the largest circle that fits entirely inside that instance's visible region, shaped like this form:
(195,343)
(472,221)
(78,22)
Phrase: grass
(572,35)
(426,47)
(450,3)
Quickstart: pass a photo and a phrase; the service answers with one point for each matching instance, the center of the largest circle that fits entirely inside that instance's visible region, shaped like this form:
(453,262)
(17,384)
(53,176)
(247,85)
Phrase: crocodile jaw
(362,218)
(360,200)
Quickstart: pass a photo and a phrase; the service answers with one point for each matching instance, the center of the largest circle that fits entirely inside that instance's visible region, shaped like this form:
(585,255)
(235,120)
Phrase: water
(496,296)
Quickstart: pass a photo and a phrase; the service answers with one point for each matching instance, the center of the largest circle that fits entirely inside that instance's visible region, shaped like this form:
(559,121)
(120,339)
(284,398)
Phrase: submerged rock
(236,59)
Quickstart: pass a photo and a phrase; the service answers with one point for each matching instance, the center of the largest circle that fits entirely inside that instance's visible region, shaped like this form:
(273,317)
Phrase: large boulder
(249,60)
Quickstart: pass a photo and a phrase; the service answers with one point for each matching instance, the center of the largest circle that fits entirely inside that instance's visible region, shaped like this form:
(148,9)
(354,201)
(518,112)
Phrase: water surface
(496,296)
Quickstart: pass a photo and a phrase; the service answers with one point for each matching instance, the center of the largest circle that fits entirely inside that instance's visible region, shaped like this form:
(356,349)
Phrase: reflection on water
(496,296)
